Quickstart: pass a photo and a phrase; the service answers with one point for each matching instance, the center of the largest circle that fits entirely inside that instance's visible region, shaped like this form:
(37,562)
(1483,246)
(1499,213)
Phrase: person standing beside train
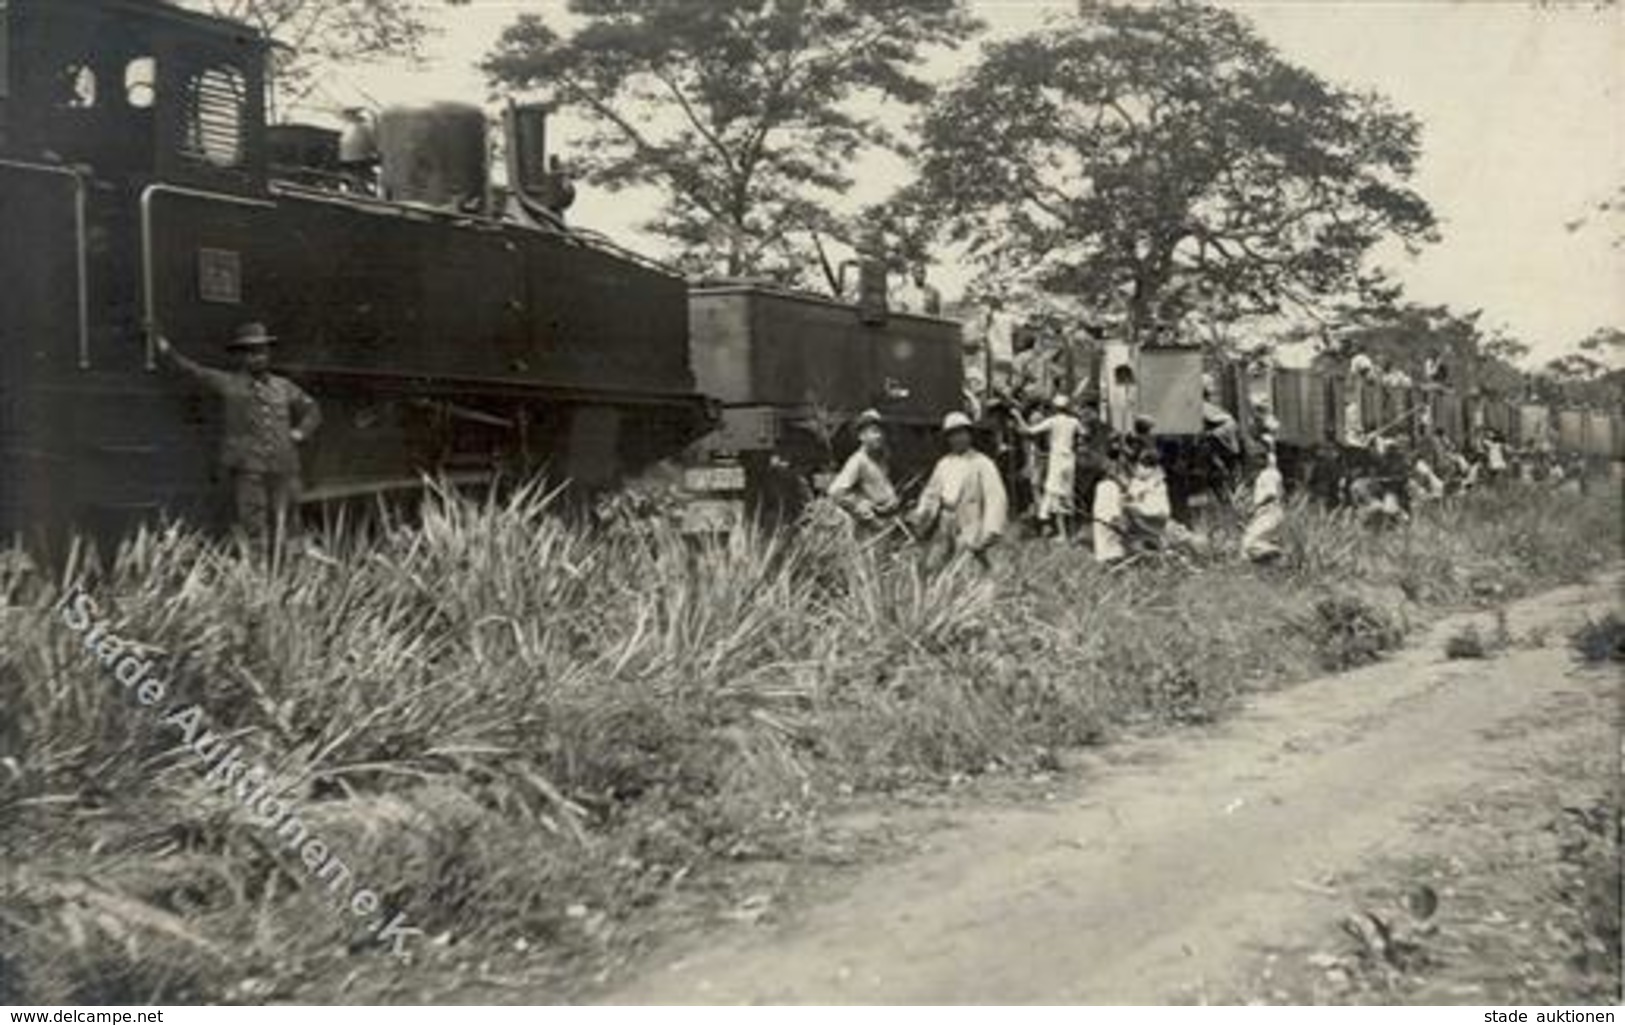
(864,488)
(964,508)
(266,417)
(1094,442)
(1060,431)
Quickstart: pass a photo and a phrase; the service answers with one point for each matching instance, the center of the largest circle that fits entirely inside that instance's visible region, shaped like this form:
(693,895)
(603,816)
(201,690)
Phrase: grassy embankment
(530,739)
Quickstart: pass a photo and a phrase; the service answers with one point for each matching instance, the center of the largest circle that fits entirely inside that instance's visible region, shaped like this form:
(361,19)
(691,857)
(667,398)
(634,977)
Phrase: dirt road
(1165,872)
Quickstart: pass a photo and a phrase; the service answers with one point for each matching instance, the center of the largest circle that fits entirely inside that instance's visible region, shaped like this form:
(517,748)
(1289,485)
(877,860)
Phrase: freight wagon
(1321,416)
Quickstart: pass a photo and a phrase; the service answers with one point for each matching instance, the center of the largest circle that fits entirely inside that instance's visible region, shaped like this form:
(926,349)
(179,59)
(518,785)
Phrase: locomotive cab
(134,89)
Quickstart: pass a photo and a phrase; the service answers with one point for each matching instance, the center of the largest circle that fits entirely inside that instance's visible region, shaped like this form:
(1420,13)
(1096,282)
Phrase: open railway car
(443,331)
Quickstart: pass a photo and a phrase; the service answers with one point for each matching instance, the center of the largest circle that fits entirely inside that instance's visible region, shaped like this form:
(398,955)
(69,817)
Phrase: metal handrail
(149,286)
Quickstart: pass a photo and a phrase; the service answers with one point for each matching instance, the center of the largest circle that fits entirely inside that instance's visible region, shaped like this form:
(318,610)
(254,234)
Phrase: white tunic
(1060,469)
(964,501)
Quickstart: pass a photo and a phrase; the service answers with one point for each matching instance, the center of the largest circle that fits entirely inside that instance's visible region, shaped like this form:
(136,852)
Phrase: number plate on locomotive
(220,276)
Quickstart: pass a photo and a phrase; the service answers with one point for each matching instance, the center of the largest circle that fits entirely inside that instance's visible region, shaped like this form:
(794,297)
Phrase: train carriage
(1499,415)
(1449,415)
(1600,442)
(1300,406)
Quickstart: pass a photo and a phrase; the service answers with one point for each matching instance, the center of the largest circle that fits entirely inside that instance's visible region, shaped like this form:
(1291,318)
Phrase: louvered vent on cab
(215,103)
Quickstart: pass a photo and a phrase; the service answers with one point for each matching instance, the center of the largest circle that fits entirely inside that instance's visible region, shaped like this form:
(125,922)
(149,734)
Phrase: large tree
(1167,161)
(741,112)
(318,33)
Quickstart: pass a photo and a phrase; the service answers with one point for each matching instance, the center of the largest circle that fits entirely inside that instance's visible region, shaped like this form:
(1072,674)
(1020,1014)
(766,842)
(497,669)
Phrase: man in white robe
(963,509)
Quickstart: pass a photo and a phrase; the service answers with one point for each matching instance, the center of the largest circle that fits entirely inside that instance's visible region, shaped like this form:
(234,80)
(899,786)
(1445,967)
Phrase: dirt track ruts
(1162,873)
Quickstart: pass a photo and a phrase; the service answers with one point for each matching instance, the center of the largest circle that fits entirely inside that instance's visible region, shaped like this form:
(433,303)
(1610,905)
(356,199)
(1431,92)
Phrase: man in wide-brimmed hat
(863,487)
(266,418)
(963,509)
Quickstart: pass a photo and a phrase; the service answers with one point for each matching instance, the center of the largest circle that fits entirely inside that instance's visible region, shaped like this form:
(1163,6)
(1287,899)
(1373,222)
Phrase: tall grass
(501,720)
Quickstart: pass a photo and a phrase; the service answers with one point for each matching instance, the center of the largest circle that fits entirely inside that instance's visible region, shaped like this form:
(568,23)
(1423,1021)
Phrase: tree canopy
(1166,162)
(740,112)
(317,33)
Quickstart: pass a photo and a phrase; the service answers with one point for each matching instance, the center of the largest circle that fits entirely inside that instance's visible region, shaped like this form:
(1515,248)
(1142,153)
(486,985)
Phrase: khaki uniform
(864,489)
(257,447)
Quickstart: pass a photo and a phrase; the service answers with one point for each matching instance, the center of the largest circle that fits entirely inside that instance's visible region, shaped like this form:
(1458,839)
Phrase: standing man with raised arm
(266,417)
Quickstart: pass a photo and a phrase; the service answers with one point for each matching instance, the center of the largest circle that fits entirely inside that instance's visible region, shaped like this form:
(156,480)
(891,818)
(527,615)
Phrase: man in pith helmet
(863,487)
(963,509)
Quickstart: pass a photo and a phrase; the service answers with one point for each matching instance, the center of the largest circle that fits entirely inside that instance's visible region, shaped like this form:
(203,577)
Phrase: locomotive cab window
(216,101)
(141,83)
(76,87)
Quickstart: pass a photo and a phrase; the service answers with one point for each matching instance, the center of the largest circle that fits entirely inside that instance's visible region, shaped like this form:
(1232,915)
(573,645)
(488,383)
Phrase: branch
(694,119)
(638,140)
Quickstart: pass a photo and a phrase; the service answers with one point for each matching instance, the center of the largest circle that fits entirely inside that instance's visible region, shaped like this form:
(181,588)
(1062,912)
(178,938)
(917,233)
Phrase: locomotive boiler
(447,327)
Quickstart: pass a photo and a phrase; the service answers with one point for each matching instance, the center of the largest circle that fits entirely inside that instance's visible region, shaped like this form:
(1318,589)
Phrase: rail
(81,239)
(149,274)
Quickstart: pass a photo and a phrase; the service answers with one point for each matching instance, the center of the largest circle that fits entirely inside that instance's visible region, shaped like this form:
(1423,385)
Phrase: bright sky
(1524,132)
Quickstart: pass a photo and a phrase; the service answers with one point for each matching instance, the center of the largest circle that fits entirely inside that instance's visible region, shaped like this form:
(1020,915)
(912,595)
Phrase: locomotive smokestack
(539,183)
(526,127)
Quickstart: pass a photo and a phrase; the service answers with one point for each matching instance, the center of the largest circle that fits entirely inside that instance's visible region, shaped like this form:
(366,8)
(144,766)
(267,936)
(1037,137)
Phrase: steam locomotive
(449,327)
